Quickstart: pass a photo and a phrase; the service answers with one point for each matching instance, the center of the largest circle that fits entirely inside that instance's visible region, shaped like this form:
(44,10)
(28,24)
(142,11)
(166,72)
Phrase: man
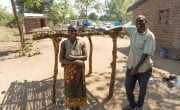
(72,56)
(139,66)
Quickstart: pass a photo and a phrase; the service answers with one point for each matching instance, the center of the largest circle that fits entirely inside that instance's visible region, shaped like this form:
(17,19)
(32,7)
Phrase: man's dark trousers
(130,83)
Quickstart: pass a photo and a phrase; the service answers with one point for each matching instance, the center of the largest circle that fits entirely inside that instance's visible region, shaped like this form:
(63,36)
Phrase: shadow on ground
(6,53)
(37,95)
(158,97)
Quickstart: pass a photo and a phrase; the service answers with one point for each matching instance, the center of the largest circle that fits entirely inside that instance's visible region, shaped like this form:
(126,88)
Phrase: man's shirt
(140,43)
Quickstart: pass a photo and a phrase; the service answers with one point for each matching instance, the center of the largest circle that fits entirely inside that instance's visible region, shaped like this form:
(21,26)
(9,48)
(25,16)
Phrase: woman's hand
(79,62)
(72,58)
(69,57)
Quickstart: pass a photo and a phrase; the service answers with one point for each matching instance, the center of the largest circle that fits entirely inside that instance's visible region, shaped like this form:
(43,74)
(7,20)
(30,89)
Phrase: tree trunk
(113,66)
(55,41)
(90,55)
(20,28)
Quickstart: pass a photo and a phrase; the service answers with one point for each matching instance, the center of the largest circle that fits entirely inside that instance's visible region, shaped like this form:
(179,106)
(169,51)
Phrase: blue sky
(7,4)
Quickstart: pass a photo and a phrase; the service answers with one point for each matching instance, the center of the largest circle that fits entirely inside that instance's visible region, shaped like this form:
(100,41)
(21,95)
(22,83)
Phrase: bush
(6,19)
(12,23)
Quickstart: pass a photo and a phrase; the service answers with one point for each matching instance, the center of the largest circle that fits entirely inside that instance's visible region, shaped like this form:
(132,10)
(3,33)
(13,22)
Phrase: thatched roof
(135,5)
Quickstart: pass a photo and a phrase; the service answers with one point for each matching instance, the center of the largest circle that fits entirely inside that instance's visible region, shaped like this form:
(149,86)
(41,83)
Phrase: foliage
(84,5)
(28,46)
(12,23)
(6,18)
(29,3)
(38,6)
(103,18)
(114,9)
(20,6)
(57,12)
(61,12)
(28,49)
(93,16)
(117,9)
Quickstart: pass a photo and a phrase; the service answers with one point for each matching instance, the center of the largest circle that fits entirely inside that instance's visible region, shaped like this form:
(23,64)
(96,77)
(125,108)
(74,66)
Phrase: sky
(7,4)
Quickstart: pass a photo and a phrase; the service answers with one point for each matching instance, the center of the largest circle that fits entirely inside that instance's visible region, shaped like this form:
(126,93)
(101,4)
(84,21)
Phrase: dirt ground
(26,82)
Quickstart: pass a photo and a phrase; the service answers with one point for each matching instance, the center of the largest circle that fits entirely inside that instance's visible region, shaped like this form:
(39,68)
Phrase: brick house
(32,21)
(163,20)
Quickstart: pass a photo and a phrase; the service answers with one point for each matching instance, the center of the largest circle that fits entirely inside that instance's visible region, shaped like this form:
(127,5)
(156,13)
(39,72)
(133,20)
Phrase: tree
(31,6)
(117,9)
(93,16)
(20,24)
(5,17)
(84,5)
(114,9)
(103,18)
(61,12)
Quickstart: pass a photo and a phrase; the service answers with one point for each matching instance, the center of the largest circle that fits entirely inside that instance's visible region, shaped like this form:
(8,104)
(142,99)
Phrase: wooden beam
(90,55)
(113,66)
(56,41)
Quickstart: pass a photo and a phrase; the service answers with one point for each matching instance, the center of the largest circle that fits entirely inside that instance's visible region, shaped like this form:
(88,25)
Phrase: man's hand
(134,71)
(136,68)
(113,30)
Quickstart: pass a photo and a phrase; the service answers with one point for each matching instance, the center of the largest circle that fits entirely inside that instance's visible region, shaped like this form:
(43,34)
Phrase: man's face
(140,23)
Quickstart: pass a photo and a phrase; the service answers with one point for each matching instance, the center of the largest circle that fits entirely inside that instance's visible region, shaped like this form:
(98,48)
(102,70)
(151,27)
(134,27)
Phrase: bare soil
(26,82)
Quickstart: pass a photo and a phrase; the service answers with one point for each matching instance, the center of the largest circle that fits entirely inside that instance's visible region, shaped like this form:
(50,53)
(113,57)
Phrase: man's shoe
(138,108)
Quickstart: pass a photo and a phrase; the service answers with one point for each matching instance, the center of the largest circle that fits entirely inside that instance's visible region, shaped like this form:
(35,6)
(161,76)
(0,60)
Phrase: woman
(72,56)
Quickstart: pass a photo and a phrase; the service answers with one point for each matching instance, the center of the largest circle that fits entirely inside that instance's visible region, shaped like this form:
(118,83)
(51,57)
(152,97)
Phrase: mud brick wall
(164,21)
(32,23)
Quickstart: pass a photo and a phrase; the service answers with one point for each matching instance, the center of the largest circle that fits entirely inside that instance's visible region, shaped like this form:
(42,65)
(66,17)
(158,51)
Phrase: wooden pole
(90,55)
(18,24)
(56,41)
(113,66)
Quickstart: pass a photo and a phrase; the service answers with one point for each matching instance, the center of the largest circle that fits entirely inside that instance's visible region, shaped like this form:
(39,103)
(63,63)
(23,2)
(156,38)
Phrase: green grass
(8,34)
